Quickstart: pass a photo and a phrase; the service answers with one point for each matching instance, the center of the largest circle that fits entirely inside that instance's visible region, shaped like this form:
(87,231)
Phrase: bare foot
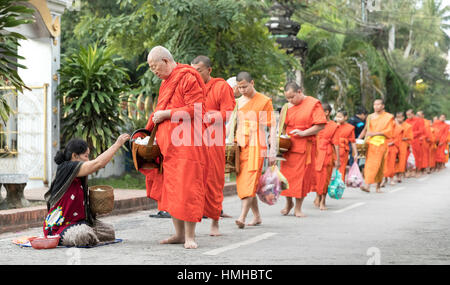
(323,207)
(287,209)
(190,244)
(173,240)
(365,189)
(240,224)
(255,222)
(316,202)
(392,183)
(379,190)
(214,229)
(300,214)
(223,215)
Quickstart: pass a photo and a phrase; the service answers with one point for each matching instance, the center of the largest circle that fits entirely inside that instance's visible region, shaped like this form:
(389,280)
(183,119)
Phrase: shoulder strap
(281,125)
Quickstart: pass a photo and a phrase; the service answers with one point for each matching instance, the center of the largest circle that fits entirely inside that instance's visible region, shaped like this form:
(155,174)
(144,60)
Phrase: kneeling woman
(67,199)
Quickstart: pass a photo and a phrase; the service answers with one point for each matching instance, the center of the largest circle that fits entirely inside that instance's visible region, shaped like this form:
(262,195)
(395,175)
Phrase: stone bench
(14,185)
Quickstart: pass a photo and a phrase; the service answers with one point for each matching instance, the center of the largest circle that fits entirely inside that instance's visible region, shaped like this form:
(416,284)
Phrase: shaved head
(159,53)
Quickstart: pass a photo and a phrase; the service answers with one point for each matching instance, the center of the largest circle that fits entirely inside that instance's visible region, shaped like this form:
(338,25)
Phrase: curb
(20,219)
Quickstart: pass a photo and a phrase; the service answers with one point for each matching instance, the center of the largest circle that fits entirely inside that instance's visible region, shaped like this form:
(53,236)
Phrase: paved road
(408,224)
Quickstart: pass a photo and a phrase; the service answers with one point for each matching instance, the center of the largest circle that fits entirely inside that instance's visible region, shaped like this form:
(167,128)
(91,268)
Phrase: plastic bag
(354,177)
(270,185)
(411,162)
(337,186)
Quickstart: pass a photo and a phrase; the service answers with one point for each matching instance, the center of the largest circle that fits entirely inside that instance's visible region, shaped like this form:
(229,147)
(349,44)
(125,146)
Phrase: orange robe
(392,151)
(403,149)
(250,135)
(433,147)
(374,167)
(346,135)
(219,101)
(299,167)
(325,156)
(426,144)
(441,140)
(181,187)
(418,129)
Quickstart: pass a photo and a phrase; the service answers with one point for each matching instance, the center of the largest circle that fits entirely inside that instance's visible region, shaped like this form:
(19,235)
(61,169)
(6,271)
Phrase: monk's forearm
(313,130)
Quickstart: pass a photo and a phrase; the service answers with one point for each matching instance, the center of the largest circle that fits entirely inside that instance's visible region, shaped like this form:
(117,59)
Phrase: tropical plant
(12,14)
(91,85)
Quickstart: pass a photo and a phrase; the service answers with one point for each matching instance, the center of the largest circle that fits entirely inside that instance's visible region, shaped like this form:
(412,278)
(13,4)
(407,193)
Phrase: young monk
(219,101)
(441,141)
(426,143)
(345,136)
(254,116)
(181,187)
(393,144)
(418,127)
(379,127)
(304,119)
(69,214)
(327,157)
(406,136)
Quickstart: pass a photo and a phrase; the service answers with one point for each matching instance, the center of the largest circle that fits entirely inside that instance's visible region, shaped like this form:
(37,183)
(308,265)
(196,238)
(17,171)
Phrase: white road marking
(239,244)
(397,189)
(350,207)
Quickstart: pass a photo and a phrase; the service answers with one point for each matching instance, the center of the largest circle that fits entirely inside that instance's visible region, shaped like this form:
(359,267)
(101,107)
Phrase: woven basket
(101,199)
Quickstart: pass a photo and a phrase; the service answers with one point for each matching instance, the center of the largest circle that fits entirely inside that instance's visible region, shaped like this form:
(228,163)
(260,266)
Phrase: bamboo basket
(101,199)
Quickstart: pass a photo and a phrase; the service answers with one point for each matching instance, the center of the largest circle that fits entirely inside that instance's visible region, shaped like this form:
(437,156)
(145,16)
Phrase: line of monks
(190,185)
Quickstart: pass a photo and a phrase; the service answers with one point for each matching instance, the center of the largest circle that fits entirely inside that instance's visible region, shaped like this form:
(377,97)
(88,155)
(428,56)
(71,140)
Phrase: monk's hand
(297,132)
(160,116)
(122,139)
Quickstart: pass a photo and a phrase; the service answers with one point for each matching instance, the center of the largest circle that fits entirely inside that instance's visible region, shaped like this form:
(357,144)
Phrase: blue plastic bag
(337,186)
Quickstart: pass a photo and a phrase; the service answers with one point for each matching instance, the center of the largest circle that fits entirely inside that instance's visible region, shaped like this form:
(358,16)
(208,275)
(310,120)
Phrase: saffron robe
(325,156)
(441,140)
(346,135)
(299,167)
(377,146)
(392,151)
(181,187)
(252,119)
(418,129)
(403,148)
(219,101)
(426,144)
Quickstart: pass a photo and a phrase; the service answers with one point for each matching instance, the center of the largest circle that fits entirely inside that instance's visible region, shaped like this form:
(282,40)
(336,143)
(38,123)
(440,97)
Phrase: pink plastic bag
(411,162)
(354,177)
(270,185)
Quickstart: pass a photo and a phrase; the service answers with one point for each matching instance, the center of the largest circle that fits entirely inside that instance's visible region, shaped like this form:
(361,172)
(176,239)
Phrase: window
(9,131)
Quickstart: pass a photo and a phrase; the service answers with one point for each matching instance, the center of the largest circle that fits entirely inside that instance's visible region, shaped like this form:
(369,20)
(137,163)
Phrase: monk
(426,143)
(378,129)
(405,139)
(304,119)
(418,129)
(345,136)
(219,101)
(441,141)
(253,117)
(393,144)
(327,157)
(181,187)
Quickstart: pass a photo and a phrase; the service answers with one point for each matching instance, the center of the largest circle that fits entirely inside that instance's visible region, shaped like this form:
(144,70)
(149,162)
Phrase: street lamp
(285,32)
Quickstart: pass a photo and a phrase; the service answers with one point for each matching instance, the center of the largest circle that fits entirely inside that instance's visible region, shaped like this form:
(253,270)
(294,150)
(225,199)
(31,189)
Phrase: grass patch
(130,180)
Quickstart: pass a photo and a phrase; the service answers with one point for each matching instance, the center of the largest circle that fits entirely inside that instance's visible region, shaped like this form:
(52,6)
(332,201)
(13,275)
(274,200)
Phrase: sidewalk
(125,201)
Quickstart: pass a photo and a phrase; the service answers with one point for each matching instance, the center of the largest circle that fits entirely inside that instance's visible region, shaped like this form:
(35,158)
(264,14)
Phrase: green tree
(92,82)
(12,14)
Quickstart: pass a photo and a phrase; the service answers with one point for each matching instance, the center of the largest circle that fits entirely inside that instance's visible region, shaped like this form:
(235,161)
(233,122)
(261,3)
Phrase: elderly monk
(426,142)
(405,139)
(379,127)
(418,129)
(181,188)
(219,102)
(304,119)
(327,156)
(442,132)
(255,114)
